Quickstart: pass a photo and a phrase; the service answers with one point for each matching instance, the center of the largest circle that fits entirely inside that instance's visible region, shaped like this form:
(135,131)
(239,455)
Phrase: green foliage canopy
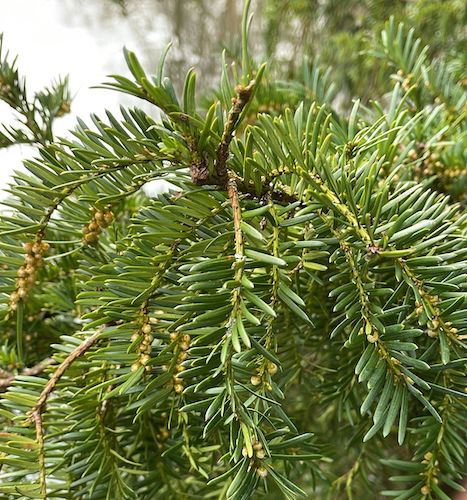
(299,291)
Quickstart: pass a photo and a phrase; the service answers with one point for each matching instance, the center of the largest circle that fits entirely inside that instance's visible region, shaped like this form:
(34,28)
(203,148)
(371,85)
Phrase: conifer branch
(238,104)
(7,378)
(36,412)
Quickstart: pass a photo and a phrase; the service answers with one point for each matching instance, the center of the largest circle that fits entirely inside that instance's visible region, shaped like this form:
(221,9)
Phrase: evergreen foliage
(34,117)
(338,33)
(288,321)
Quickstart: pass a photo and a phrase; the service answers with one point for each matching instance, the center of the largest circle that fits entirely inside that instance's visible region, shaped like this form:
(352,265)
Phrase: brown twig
(36,412)
(7,378)
(238,104)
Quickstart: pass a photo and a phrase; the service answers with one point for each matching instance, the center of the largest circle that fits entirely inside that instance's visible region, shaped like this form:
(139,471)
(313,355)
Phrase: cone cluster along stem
(26,276)
(101,219)
(145,337)
(182,344)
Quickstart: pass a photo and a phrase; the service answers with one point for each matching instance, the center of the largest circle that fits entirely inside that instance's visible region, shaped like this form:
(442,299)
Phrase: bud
(372,338)
(425,490)
(29,259)
(27,247)
(30,269)
(255,380)
(36,247)
(257,445)
(22,273)
(108,217)
(99,216)
(260,454)
(90,238)
(262,472)
(272,368)
(146,329)
(20,283)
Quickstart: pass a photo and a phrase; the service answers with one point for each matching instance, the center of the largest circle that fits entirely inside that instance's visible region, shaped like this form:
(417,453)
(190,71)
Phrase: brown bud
(108,217)
(30,269)
(99,216)
(90,238)
(29,259)
(93,226)
(22,273)
(27,247)
(36,247)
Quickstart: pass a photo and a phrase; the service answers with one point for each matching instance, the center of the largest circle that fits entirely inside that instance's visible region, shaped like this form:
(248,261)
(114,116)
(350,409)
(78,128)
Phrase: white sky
(50,41)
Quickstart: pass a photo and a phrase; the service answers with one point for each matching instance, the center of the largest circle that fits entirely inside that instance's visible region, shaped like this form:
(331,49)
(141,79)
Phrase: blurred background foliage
(341,32)
(338,32)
